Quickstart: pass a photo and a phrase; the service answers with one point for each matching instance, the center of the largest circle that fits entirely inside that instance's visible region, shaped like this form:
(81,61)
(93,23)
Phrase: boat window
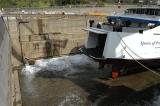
(147,11)
(143,25)
(152,11)
(134,25)
(158,13)
(126,23)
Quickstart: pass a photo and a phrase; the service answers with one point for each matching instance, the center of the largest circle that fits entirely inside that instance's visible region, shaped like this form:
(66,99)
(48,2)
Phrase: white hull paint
(133,46)
(130,46)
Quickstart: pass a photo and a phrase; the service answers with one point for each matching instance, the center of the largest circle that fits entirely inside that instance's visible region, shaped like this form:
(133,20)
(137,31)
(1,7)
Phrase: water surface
(72,81)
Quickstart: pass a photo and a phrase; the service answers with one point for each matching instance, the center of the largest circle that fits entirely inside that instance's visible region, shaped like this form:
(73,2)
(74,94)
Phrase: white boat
(129,39)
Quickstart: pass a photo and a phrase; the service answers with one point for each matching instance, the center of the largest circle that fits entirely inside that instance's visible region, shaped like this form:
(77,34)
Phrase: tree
(5,3)
(44,3)
(52,2)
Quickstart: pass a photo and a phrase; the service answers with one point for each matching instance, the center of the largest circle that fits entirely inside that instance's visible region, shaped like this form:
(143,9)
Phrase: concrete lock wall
(5,66)
(43,36)
(12,26)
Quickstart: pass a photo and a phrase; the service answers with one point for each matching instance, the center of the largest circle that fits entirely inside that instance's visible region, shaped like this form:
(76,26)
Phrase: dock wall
(5,66)
(40,36)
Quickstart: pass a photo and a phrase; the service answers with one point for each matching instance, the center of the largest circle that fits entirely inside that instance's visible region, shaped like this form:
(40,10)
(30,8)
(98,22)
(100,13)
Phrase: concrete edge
(16,92)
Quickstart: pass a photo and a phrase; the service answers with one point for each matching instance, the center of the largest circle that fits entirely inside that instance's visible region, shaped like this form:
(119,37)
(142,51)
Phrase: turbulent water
(71,81)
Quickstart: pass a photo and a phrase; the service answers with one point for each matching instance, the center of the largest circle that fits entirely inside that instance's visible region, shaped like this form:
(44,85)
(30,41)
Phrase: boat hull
(118,62)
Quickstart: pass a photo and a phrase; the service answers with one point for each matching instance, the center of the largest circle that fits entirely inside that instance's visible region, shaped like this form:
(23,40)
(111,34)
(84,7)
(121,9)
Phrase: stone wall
(40,36)
(5,66)
(12,26)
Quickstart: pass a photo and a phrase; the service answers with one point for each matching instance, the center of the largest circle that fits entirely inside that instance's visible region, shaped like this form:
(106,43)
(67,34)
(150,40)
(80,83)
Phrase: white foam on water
(68,99)
(28,69)
(57,64)
(96,103)
(156,102)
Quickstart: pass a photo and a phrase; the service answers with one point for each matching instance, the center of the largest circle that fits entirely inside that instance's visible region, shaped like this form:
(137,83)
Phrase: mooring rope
(153,71)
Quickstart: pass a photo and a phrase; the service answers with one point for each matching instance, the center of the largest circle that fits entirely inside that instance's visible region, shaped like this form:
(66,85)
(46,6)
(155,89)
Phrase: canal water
(72,81)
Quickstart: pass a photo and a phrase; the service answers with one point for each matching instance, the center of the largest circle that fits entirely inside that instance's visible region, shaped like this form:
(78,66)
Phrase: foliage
(46,3)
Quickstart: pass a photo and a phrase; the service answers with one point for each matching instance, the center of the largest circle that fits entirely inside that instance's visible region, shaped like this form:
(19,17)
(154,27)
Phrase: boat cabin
(103,39)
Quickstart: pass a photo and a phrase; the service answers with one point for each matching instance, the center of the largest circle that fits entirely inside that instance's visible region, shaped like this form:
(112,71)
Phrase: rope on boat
(153,71)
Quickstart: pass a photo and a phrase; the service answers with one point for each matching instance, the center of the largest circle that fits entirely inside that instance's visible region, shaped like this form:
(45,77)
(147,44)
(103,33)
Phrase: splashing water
(57,64)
